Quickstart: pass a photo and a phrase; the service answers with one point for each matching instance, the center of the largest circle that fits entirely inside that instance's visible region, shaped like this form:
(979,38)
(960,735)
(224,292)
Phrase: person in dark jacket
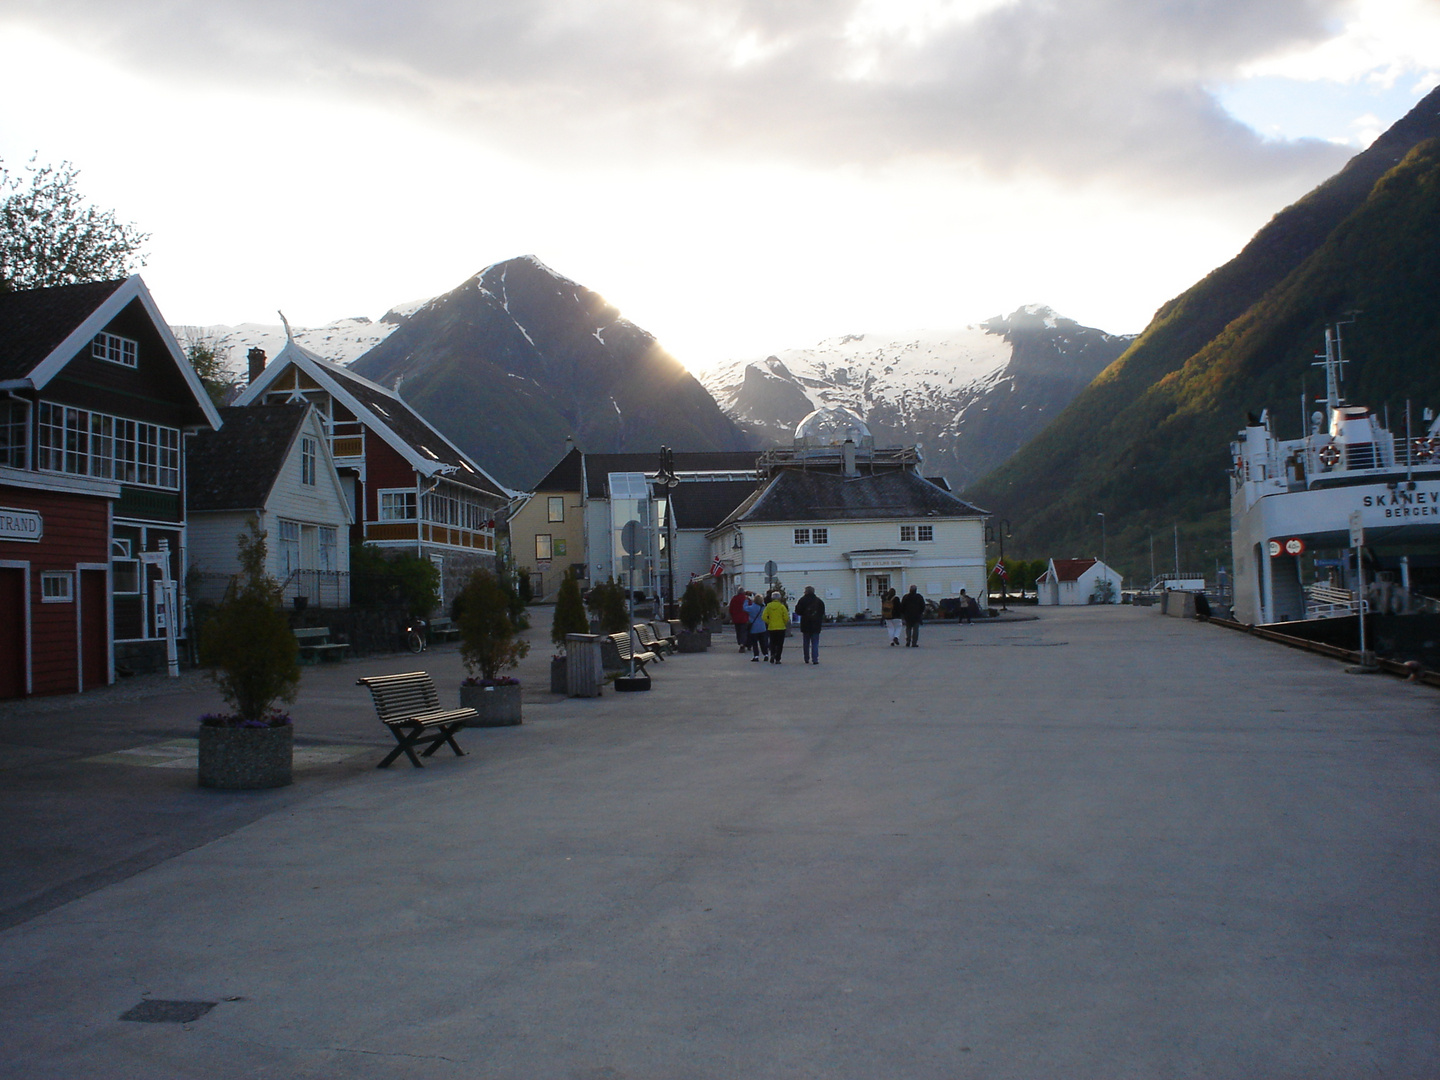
(811,611)
(912,610)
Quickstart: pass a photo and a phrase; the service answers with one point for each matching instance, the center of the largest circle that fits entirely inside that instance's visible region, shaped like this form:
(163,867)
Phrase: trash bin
(584,672)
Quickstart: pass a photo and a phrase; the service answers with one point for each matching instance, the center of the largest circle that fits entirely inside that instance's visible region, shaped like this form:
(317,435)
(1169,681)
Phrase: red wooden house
(95,396)
(408,486)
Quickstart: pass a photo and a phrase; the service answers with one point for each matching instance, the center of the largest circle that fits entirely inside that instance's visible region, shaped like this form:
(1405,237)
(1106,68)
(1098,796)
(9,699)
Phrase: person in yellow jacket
(777,618)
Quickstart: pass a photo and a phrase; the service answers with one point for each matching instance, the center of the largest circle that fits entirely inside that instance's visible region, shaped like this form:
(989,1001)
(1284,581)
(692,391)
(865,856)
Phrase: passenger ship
(1294,506)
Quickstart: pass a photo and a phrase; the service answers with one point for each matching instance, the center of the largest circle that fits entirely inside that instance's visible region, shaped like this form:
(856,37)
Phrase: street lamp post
(1104,552)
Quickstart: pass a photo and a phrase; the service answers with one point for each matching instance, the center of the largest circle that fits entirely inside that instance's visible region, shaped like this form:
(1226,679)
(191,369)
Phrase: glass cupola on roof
(831,427)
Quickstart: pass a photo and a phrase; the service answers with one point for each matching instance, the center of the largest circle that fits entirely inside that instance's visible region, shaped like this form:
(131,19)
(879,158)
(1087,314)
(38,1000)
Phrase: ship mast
(1333,361)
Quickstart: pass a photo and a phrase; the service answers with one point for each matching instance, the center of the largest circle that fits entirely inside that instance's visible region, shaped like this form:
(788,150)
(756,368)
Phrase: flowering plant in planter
(502,680)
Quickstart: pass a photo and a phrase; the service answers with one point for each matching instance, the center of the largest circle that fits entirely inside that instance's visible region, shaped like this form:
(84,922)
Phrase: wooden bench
(664,632)
(645,634)
(443,630)
(315,645)
(408,705)
(626,651)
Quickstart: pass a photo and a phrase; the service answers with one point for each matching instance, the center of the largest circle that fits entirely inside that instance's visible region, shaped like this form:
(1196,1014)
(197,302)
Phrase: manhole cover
(167,1012)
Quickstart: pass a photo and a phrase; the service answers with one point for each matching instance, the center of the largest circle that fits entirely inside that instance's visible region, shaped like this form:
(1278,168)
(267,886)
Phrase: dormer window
(116,349)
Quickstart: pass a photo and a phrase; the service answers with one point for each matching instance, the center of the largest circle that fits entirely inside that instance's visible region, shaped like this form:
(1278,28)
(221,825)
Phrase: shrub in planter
(488,646)
(698,605)
(607,605)
(248,644)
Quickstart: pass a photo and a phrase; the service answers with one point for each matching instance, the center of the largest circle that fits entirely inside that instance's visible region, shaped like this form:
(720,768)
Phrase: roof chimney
(256,356)
(849,452)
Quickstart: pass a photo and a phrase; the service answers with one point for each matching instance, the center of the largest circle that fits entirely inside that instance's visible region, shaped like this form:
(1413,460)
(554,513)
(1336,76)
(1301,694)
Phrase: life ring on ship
(1329,455)
(1421,449)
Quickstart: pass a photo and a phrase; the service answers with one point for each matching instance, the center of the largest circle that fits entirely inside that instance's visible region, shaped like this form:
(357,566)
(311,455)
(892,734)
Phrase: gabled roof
(814,495)
(704,504)
(235,468)
(568,475)
(385,413)
(593,470)
(42,330)
(1071,569)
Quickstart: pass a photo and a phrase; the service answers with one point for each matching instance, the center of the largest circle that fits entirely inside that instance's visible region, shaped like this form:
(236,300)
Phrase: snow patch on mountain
(341,341)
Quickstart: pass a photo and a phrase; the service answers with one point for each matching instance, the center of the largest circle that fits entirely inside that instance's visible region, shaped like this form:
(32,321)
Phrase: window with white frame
(329,548)
(812,536)
(924,533)
(289,546)
(308,449)
(14,433)
(451,504)
(85,443)
(555,508)
(907,534)
(116,349)
(57,587)
(397,505)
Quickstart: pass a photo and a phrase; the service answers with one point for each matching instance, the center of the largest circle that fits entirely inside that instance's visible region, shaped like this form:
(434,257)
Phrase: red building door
(12,632)
(94,641)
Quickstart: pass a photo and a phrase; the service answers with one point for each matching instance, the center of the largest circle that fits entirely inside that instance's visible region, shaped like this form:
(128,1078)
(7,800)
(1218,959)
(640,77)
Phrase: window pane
(542,545)
(557,507)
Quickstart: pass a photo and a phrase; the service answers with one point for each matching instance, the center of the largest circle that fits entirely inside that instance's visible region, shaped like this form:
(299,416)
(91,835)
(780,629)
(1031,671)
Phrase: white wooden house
(1078,581)
(853,521)
(271,464)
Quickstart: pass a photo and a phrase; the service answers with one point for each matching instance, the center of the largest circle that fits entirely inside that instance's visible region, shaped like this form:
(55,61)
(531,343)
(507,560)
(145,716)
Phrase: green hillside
(1147,443)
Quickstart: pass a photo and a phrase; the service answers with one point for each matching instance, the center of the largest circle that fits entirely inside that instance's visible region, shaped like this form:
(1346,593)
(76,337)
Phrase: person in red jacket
(740,619)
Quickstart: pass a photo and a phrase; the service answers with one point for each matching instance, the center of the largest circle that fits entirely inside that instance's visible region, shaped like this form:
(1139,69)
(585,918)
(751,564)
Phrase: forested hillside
(1147,443)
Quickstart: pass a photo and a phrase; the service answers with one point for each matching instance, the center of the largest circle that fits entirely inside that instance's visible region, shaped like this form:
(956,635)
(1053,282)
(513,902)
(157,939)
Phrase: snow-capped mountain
(519,357)
(341,341)
(968,397)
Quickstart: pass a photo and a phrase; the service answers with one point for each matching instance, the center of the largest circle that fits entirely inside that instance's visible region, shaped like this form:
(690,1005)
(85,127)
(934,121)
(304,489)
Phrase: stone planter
(559,684)
(498,706)
(692,641)
(239,759)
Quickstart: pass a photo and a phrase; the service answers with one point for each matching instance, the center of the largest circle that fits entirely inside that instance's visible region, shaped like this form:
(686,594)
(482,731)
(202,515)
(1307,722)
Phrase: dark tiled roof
(813,495)
(703,504)
(598,467)
(33,322)
(565,476)
(235,468)
(408,425)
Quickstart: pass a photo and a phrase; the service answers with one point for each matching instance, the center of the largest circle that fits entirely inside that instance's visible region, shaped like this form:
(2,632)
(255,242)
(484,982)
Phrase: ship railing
(1324,601)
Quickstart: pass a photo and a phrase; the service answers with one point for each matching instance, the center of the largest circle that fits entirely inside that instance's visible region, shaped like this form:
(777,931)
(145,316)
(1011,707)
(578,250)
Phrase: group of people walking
(903,612)
(761,629)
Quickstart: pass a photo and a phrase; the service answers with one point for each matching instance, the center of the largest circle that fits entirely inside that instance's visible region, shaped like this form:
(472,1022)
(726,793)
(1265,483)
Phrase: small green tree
(210,359)
(697,603)
(487,636)
(524,587)
(607,605)
(569,612)
(248,641)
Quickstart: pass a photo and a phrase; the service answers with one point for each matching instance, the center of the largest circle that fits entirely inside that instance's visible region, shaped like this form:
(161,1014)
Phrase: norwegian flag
(1000,570)
(717,568)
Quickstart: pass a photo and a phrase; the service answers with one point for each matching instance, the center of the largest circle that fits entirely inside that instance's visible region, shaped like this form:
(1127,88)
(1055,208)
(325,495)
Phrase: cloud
(1080,90)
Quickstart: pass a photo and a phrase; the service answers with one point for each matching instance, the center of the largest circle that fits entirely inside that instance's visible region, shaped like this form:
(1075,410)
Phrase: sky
(737,176)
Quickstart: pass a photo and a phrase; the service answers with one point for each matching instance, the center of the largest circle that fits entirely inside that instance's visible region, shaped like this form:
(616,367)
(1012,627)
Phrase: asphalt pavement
(1103,843)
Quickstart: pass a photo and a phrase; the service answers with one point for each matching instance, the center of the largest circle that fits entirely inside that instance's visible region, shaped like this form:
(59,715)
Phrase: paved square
(1102,844)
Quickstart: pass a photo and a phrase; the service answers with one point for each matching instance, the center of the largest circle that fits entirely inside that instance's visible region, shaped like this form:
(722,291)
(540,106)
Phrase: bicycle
(415,636)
